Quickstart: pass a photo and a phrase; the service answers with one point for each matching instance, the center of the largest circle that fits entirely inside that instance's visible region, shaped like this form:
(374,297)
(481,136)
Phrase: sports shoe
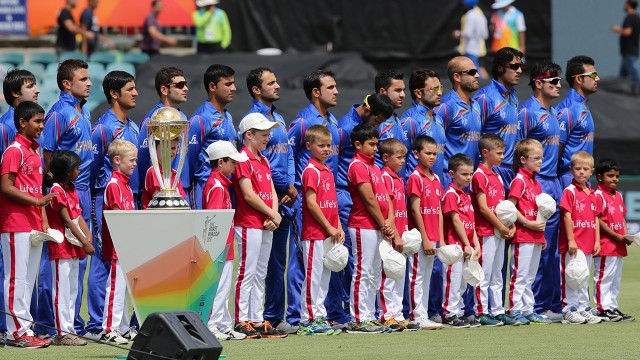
(365,327)
(473,321)
(517,316)
(455,322)
(314,328)
(28,342)
(429,324)
(131,333)
(43,336)
(286,327)
(234,335)
(436,318)
(269,332)
(410,326)
(68,340)
(625,317)
(572,316)
(591,319)
(553,316)
(91,336)
(489,320)
(537,319)
(247,329)
(507,320)
(114,337)
(3,338)
(220,336)
(337,326)
(385,329)
(394,325)
(607,315)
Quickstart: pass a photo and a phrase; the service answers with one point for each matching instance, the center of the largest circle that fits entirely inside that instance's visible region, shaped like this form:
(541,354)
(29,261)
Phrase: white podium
(172,259)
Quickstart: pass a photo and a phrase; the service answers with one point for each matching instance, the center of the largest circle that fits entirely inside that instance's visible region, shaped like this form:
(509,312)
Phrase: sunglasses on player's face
(592,74)
(553,81)
(179,85)
(470,72)
(515,66)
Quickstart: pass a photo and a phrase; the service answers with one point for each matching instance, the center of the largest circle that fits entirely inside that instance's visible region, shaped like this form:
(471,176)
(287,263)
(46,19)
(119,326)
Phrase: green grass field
(555,341)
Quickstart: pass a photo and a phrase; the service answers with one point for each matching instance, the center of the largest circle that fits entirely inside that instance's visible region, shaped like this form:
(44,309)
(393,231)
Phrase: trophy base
(168,200)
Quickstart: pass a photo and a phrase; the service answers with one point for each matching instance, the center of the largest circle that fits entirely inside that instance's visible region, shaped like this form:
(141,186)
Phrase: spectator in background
(213,33)
(629,38)
(152,36)
(67,29)
(89,23)
(507,26)
(472,34)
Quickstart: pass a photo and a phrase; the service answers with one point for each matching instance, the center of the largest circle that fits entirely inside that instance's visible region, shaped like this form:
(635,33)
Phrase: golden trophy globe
(166,126)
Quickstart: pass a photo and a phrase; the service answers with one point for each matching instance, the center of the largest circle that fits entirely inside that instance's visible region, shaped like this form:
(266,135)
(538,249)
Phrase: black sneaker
(455,322)
(247,328)
(267,331)
(473,321)
(625,317)
(608,316)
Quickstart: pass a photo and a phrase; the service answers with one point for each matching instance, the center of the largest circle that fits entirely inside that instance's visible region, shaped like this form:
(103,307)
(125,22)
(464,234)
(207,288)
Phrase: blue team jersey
(7,129)
(392,128)
(462,126)
(541,124)
(278,150)
(415,122)
(206,126)
(67,129)
(576,127)
(346,124)
(499,115)
(144,159)
(305,119)
(105,130)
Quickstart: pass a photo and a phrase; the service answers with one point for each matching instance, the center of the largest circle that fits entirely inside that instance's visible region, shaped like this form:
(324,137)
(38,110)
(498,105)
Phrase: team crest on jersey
(529,195)
(326,185)
(259,176)
(580,205)
(427,191)
(375,179)
(492,191)
(193,140)
(612,210)
(545,125)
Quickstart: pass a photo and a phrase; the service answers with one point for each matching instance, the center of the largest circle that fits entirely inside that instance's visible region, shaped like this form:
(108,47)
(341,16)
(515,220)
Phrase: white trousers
(488,293)
(367,267)
(525,259)
(254,247)
(606,277)
(64,275)
(390,297)
(569,297)
(220,318)
(420,269)
(453,288)
(316,281)
(21,264)
(116,312)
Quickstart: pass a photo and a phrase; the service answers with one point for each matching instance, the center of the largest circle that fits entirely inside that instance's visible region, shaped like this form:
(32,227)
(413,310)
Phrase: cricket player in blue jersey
(209,123)
(426,90)
(391,83)
(374,110)
(459,113)
(321,90)
(576,123)
(120,91)
(67,126)
(18,86)
(172,89)
(264,89)
(538,121)
(498,106)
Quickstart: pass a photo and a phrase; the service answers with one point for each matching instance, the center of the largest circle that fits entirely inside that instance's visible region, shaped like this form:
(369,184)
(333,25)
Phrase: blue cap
(470,3)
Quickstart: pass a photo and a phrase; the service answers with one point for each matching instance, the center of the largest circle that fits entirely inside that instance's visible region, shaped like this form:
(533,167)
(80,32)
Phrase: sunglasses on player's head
(553,80)
(179,85)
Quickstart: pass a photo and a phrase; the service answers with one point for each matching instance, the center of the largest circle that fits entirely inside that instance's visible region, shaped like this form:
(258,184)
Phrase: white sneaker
(234,335)
(114,337)
(220,336)
(130,334)
(553,316)
(427,324)
(287,328)
(573,317)
(591,319)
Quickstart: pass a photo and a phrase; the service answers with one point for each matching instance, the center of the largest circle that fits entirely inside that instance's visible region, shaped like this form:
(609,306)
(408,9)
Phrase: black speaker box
(177,335)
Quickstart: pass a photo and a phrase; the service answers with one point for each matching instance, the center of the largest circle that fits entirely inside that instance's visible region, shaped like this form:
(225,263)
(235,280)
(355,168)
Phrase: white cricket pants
(453,288)
(390,297)
(367,268)
(254,247)
(491,259)
(606,277)
(116,313)
(64,274)
(525,259)
(220,318)
(420,269)
(316,281)
(21,265)
(570,297)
